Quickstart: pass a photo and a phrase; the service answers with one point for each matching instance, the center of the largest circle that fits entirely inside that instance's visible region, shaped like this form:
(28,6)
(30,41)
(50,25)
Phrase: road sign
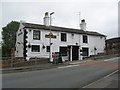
(50,35)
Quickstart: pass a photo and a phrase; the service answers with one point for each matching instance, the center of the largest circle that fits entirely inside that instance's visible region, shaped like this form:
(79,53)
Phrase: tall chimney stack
(46,19)
(83,24)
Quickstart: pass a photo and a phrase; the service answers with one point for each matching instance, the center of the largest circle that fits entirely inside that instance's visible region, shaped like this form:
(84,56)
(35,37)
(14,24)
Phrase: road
(72,76)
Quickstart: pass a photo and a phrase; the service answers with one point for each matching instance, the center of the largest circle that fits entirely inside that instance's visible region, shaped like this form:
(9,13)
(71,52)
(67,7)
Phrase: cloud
(1,21)
(100,16)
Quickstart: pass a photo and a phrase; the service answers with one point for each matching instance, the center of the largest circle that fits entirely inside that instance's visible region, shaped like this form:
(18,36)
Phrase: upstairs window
(85,39)
(63,37)
(36,35)
(35,48)
(47,48)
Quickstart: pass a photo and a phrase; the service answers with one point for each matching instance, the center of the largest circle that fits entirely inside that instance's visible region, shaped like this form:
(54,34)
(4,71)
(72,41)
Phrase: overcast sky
(100,15)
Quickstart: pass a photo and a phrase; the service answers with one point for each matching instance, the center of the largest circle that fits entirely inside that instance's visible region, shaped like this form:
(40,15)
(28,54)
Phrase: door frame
(70,52)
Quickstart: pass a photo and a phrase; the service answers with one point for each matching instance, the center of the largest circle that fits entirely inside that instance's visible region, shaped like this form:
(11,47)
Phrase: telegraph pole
(50,53)
(79,19)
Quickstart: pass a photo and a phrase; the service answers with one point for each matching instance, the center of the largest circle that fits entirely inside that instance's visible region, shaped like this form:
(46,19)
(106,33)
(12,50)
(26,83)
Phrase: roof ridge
(63,29)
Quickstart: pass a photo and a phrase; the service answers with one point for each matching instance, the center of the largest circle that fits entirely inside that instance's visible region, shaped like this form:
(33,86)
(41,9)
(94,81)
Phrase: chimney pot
(83,20)
(46,14)
(83,24)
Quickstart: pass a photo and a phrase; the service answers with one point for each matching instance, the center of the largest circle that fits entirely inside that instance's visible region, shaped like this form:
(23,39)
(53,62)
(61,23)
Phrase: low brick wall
(6,63)
(18,62)
(0,64)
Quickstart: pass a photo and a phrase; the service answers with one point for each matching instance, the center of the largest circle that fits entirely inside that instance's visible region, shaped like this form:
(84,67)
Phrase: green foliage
(9,38)
(0,53)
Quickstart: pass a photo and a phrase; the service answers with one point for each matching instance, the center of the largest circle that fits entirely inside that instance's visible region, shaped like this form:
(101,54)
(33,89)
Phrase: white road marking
(110,59)
(68,66)
(111,74)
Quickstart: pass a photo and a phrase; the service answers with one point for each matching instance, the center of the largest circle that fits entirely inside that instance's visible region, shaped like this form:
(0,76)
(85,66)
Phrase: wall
(19,47)
(72,39)
(98,42)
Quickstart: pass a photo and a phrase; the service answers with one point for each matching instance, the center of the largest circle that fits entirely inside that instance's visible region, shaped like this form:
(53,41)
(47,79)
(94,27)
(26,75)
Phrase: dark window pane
(63,37)
(36,35)
(35,48)
(47,48)
(85,51)
(85,40)
(63,51)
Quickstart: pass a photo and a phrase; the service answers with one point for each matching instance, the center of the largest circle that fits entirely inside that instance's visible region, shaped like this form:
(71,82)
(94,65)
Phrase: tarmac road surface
(72,76)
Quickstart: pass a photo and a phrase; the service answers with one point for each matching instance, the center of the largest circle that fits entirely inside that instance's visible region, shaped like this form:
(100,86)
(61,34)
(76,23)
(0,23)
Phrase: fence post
(35,60)
(11,62)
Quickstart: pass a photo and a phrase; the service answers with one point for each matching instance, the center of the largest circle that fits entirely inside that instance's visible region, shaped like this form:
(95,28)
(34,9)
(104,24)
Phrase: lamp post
(50,53)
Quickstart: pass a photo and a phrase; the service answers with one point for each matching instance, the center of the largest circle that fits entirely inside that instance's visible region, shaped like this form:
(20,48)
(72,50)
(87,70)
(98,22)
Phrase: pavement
(29,68)
(109,81)
(42,66)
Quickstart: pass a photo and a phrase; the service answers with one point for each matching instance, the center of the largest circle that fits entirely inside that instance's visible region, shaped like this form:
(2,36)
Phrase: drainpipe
(71,53)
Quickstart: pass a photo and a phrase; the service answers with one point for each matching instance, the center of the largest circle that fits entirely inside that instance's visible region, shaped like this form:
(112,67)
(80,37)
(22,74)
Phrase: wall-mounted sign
(20,34)
(50,35)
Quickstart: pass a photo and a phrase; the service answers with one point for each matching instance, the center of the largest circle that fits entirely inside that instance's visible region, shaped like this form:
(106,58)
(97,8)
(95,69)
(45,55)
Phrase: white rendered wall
(19,38)
(71,40)
(93,41)
(98,42)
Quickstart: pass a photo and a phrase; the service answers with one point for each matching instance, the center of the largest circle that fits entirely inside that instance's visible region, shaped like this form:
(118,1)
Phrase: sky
(100,15)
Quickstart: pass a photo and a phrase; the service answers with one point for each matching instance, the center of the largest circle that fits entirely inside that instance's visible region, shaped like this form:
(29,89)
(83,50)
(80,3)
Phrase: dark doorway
(75,52)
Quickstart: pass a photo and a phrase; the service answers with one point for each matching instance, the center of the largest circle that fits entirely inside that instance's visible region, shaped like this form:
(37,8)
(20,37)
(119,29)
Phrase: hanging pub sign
(50,35)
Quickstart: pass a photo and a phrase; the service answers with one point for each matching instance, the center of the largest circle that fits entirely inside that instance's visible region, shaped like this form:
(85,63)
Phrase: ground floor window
(35,48)
(47,48)
(85,51)
(63,51)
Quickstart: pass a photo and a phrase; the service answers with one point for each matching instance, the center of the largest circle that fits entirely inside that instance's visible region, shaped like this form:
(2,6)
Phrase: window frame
(37,34)
(85,39)
(47,50)
(34,47)
(85,51)
(64,37)
(65,54)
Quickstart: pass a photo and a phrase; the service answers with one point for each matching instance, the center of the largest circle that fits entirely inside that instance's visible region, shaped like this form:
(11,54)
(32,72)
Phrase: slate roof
(62,29)
(113,40)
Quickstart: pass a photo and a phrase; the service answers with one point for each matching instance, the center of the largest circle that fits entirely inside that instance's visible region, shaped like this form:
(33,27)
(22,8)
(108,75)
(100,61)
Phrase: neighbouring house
(33,41)
(113,45)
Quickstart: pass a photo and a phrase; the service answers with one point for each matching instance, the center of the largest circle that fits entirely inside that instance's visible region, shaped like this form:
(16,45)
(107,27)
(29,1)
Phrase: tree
(0,53)
(9,38)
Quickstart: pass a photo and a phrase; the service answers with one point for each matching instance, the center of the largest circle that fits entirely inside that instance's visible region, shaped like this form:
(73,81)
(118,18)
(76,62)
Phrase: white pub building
(33,41)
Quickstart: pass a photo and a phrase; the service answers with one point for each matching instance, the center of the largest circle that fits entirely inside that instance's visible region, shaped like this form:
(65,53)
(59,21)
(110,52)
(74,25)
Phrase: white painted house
(33,40)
